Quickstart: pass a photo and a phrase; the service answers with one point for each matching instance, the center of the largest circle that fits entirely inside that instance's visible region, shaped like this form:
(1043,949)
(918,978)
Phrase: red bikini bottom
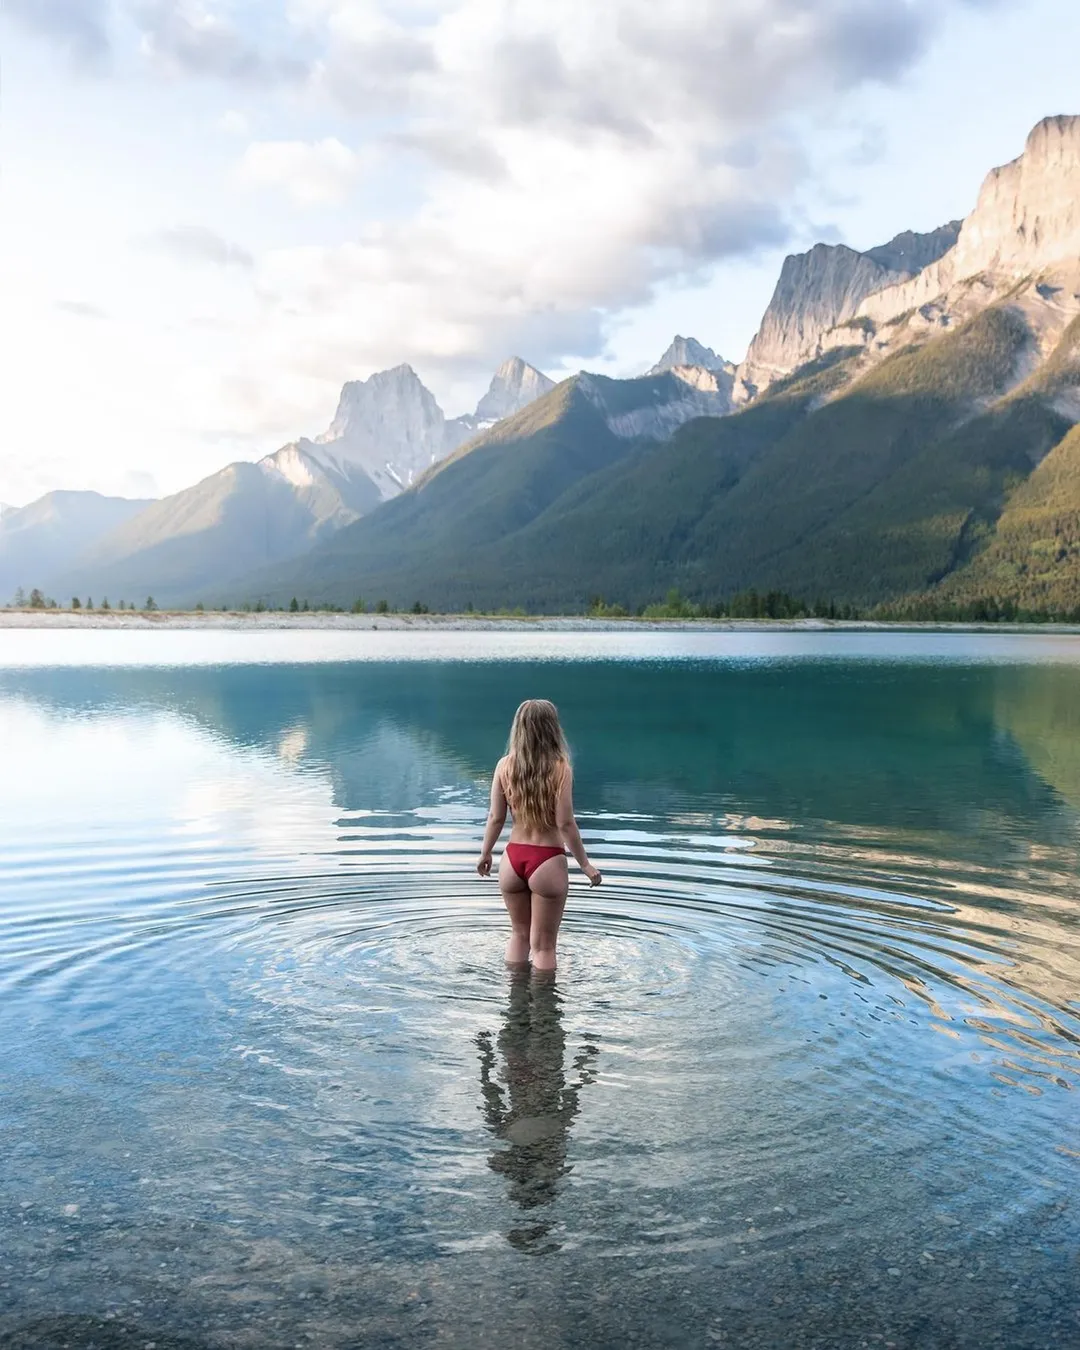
(526,858)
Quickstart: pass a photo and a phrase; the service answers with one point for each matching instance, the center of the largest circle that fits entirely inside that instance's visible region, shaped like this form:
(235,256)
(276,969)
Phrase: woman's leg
(549,884)
(518,901)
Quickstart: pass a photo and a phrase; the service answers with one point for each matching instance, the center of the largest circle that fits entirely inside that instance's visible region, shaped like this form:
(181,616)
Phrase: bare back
(519,833)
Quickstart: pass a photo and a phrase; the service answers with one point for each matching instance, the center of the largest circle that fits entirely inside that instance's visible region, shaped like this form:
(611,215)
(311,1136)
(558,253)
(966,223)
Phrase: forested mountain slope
(844,482)
(893,485)
(421,544)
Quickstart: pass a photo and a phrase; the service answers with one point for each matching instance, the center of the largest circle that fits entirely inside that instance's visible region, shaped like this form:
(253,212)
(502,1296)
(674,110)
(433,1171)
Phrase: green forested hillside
(931,470)
(470,532)
(413,546)
(1033,556)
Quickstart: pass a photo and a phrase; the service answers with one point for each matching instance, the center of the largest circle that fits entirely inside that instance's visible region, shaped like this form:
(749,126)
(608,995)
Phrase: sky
(215,212)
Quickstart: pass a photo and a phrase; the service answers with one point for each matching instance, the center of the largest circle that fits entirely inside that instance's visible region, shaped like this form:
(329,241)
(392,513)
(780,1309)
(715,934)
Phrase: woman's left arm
(495,821)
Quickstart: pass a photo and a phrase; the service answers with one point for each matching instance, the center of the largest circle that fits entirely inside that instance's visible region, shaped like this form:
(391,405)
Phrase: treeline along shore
(774,607)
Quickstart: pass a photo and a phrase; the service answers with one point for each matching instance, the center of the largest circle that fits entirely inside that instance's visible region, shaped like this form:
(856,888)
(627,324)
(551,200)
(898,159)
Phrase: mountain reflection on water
(807,1075)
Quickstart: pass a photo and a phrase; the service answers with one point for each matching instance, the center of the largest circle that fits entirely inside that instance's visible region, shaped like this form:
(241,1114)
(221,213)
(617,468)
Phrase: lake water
(807,1077)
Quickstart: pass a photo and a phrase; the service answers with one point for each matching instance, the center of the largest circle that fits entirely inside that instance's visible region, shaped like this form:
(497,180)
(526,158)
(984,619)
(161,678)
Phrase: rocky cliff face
(1019,247)
(1025,222)
(1028,212)
(910,252)
(822,289)
(514,386)
(390,426)
(1021,242)
(685,352)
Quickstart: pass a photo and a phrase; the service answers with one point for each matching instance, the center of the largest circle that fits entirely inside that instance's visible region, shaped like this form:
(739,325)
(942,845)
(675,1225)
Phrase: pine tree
(149,606)
(37,599)
(75,602)
(294,606)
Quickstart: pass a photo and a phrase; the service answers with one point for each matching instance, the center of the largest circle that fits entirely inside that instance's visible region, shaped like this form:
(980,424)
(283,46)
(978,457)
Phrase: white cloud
(318,173)
(571,159)
(81,309)
(81,26)
(196,243)
(533,173)
(202,38)
(234,123)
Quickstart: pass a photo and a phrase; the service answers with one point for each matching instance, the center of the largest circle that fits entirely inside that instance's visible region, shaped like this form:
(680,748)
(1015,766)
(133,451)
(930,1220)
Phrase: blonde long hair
(537,757)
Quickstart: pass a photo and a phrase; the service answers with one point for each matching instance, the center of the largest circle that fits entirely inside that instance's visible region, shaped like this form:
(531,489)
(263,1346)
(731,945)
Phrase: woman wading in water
(533,778)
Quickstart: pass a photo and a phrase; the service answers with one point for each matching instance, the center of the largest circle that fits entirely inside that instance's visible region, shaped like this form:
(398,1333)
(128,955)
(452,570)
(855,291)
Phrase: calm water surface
(807,1075)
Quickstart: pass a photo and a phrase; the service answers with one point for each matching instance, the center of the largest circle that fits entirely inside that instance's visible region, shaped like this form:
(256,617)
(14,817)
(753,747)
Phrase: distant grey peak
(514,386)
(386,395)
(388,425)
(653,406)
(687,351)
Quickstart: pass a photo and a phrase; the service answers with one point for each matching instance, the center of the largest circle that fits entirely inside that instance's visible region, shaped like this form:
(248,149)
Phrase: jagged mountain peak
(401,373)
(384,388)
(823,288)
(389,425)
(514,367)
(687,351)
(514,386)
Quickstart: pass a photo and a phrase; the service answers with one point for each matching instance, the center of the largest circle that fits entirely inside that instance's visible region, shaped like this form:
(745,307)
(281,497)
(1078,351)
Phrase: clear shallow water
(807,1076)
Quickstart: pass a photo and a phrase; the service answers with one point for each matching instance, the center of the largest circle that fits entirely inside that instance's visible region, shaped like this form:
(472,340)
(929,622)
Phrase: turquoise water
(807,1075)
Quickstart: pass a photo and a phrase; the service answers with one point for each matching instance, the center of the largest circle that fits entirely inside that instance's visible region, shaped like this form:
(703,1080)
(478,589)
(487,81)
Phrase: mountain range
(387,431)
(47,535)
(902,430)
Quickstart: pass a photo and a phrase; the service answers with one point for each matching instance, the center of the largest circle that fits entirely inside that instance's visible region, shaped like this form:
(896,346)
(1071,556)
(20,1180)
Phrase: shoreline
(239,621)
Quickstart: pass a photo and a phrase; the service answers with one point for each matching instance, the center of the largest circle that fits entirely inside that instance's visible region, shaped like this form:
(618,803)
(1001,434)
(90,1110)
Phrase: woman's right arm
(495,821)
(564,819)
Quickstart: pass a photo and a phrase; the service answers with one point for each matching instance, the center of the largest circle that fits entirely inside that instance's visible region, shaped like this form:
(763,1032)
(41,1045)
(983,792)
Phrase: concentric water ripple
(263,1067)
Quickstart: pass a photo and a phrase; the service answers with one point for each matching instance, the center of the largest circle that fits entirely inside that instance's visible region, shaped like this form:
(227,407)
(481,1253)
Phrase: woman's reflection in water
(531,1107)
